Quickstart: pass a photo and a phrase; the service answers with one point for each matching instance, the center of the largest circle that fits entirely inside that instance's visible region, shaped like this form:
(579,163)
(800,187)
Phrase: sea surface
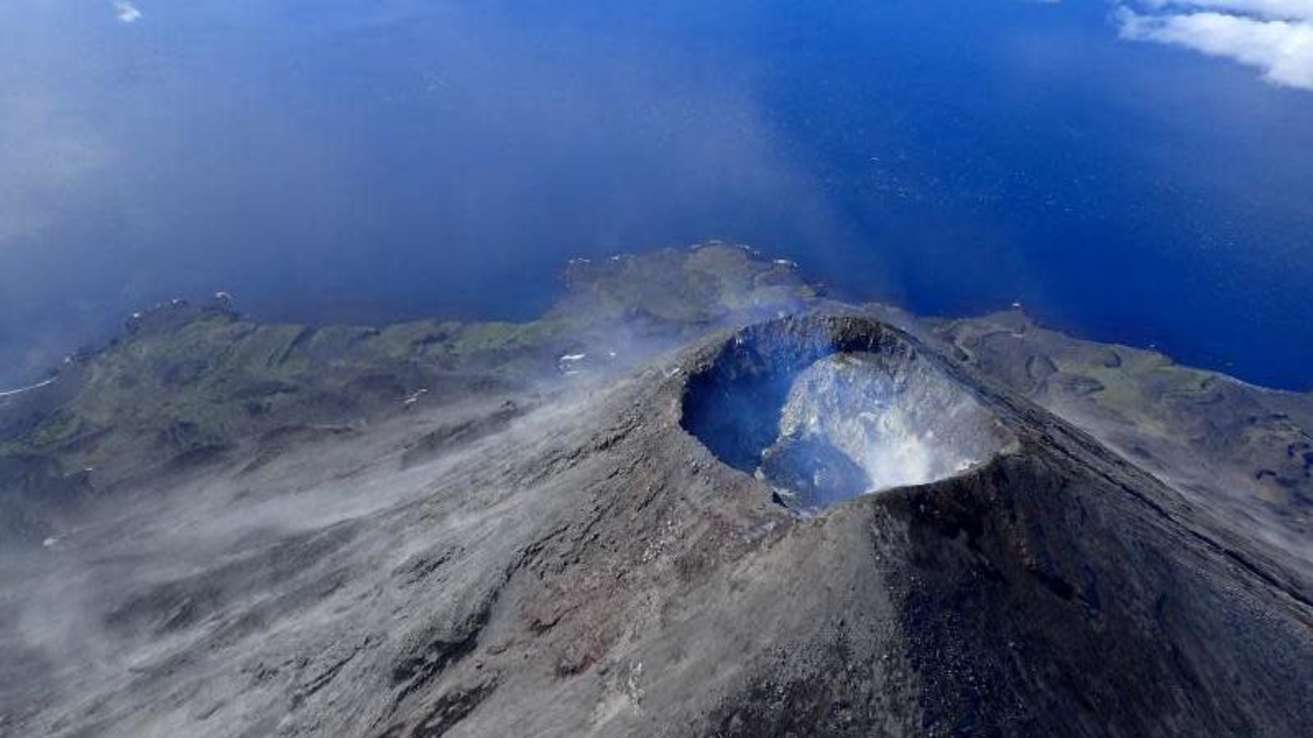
(370,161)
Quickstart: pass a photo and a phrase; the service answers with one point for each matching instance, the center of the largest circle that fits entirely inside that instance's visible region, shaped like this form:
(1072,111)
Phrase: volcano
(746,510)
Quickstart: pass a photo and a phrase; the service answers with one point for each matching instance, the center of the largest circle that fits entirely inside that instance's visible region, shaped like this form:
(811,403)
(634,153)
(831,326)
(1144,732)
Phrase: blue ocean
(380,160)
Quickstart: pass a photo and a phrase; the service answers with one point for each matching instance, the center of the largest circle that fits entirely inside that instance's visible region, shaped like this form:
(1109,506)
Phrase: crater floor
(791,404)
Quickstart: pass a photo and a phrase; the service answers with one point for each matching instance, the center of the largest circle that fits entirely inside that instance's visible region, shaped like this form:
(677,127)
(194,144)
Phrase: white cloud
(1272,9)
(126,11)
(1282,49)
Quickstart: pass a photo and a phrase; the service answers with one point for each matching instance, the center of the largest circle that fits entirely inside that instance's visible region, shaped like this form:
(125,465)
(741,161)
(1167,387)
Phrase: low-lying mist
(340,162)
(179,566)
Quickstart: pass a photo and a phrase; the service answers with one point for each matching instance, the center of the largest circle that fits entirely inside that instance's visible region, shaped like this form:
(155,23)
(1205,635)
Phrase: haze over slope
(229,528)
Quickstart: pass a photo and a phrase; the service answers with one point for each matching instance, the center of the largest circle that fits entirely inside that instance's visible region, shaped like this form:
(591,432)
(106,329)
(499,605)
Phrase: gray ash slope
(221,528)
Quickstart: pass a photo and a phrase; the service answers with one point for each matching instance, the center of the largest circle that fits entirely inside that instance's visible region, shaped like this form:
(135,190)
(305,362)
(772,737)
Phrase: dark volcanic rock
(519,553)
(814,470)
(1054,591)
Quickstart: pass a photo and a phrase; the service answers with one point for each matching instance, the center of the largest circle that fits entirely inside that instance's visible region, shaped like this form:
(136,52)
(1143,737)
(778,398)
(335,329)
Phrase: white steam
(901,423)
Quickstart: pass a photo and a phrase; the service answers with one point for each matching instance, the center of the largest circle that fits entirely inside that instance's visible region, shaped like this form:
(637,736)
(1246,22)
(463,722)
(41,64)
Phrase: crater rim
(901,414)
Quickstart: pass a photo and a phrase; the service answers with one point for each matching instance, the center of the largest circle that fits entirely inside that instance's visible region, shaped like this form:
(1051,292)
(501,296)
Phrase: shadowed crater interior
(828,408)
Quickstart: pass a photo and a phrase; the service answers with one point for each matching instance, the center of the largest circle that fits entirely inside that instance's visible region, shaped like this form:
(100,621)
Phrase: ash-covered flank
(223,529)
(827,410)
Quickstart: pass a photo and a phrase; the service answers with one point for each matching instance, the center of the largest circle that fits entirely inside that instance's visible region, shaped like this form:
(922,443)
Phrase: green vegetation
(191,380)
